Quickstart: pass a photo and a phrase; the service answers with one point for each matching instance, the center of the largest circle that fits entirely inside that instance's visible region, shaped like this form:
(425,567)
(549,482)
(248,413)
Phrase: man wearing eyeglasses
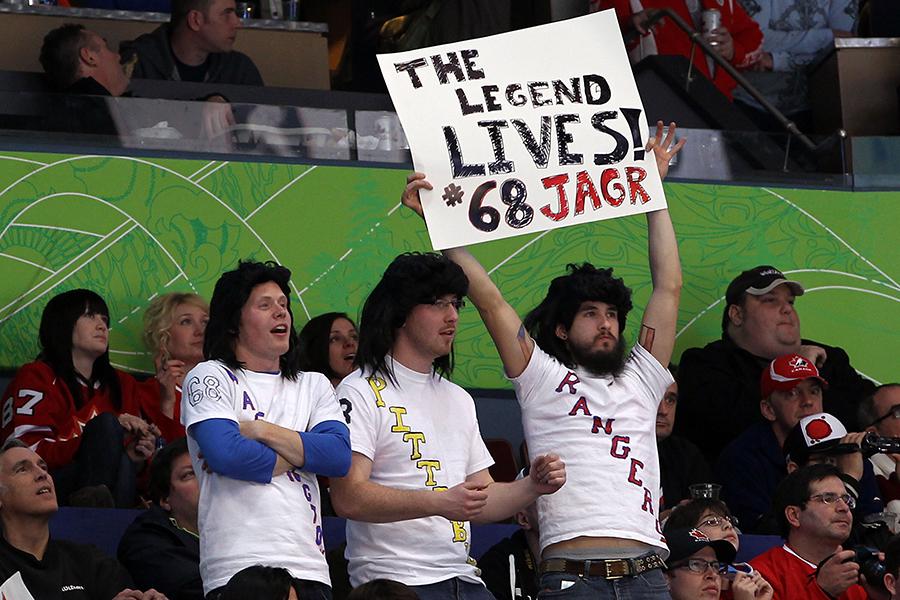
(419,470)
(880,412)
(578,389)
(814,513)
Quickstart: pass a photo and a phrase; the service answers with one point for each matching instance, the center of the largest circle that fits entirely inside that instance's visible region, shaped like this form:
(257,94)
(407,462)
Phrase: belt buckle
(606,567)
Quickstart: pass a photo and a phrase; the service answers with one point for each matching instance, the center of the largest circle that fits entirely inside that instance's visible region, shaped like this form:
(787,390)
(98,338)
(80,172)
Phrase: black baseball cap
(758,281)
(684,543)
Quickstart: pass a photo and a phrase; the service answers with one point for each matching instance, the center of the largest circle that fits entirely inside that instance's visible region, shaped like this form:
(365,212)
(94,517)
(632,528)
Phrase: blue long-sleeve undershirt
(229,453)
(326,450)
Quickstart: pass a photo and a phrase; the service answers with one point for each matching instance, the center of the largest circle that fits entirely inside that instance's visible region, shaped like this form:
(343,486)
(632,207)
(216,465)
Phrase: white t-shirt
(243,523)
(420,434)
(604,429)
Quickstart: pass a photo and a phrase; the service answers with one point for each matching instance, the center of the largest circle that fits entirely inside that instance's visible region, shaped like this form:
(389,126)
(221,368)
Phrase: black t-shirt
(68,571)
(192,73)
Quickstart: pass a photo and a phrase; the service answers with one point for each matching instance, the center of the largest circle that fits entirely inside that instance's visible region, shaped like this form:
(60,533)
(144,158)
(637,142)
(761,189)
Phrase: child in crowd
(712,519)
(698,565)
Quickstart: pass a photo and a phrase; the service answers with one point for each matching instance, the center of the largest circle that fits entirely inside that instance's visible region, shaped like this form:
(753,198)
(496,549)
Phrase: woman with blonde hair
(174,326)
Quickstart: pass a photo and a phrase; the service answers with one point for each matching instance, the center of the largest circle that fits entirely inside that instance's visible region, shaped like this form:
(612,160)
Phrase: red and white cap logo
(698,536)
(786,372)
(797,362)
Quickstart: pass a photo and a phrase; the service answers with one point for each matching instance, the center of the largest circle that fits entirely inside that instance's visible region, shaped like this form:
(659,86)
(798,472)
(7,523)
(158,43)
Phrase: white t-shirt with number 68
(242,523)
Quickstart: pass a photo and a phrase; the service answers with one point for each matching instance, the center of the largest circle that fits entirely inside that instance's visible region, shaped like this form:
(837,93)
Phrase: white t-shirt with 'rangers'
(604,428)
(420,433)
(242,523)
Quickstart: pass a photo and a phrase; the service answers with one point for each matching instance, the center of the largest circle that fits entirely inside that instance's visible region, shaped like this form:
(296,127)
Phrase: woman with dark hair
(75,409)
(174,325)
(328,345)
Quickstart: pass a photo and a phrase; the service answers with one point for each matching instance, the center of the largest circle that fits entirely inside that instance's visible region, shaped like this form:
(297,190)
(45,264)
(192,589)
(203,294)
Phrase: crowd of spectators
(244,419)
(83,433)
(772,43)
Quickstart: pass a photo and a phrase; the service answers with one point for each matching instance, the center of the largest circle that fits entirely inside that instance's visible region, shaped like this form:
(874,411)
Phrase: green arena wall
(132,228)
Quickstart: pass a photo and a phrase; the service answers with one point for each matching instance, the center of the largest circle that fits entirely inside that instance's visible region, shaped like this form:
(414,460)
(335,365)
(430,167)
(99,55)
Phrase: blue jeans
(650,585)
(452,589)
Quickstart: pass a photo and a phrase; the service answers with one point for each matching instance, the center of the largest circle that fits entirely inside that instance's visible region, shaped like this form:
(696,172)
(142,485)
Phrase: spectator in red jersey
(814,511)
(174,325)
(75,410)
(738,39)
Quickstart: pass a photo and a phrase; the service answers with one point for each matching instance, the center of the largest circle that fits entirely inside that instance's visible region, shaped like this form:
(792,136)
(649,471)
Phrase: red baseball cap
(786,372)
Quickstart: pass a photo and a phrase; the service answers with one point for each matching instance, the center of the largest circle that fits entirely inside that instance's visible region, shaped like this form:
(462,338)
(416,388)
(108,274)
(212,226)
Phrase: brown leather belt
(612,568)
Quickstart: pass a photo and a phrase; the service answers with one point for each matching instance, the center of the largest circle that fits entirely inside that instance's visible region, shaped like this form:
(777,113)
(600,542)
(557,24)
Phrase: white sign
(525,131)
(14,588)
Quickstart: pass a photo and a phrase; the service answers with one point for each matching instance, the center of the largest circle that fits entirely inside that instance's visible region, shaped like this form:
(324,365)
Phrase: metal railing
(655,15)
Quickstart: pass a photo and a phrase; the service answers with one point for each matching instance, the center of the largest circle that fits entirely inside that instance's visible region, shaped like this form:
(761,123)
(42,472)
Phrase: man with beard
(599,533)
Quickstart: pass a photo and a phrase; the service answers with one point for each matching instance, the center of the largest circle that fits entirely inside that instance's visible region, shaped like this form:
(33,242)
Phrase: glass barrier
(325,134)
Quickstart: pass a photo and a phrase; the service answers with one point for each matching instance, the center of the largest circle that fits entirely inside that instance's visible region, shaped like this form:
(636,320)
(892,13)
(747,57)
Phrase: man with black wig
(259,431)
(415,433)
(600,533)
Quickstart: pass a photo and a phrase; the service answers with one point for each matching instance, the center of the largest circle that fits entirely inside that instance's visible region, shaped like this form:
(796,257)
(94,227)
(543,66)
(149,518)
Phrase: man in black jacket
(719,383)
(161,548)
(31,564)
(79,61)
(196,45)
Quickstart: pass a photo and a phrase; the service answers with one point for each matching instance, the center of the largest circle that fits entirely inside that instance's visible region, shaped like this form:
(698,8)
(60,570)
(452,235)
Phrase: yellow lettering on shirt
(430,467)
(414,438)
(398,426)
(459,531)
(377,384)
